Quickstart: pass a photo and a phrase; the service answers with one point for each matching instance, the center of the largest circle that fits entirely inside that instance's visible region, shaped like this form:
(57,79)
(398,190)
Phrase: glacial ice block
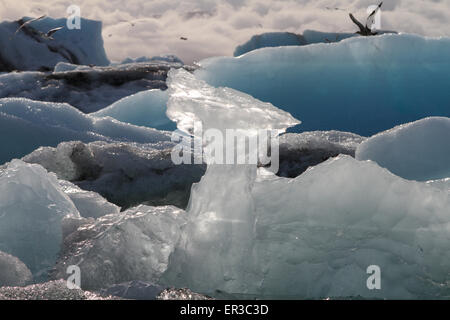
(26,125)
(32,206)
(192,100)
(419,150)
(79,46)
(313,236)
(362,85)
(132,245)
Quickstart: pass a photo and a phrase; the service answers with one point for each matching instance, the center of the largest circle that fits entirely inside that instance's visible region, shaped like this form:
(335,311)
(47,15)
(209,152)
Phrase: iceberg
(135,244)
(363,85)
(26,125)
(79,46)
(417,151)
(314,236)
(282,39)
(32,207)
(270,39)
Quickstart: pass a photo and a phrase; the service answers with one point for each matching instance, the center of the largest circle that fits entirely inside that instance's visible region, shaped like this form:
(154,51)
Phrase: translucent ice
(133,245)
(26,125)
(313,236)
(146,108)
(419,150)
(88,203)
(31,209)
(363,85)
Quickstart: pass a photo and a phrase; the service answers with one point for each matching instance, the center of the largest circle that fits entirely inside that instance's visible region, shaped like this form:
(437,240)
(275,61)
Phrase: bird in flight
(365,30)
(50,32)
(28,22)
(183,38)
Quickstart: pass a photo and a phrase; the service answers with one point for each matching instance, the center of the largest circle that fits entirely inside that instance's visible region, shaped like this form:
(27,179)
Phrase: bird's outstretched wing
(373,13)
(355,21)
(52,31)
(28,22)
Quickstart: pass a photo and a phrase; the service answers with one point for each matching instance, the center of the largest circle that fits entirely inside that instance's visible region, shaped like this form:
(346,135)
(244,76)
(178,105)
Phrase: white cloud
(213,27)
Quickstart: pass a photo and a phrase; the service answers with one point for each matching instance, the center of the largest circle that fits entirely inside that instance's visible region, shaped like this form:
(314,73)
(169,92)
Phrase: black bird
(365,30)
(183,38)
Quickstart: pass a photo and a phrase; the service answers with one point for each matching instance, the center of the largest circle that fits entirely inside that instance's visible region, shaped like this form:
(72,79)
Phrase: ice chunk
(145,108)
(26,125)
(133,245)
(88,203)
(126,174)
(32,206)
(79,46)
(419,150)
(13,272)
(362,85)
(192,100)
(313,236)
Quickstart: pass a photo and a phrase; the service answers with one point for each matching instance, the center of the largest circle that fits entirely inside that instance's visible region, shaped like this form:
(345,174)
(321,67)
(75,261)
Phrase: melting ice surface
(26,125)
(362,85)
(32,206)
(419,150)
(309,237)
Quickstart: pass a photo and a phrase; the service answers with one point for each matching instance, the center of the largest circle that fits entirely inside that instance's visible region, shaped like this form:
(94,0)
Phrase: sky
(135,28)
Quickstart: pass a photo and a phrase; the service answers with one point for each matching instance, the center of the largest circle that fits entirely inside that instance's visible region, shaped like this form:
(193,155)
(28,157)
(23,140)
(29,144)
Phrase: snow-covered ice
(32,206)
(362,85)
(25,125)
(135,244)
(419,150)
